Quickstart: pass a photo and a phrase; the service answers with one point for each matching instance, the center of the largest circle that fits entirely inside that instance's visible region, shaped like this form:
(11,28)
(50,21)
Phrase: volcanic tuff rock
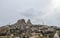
(29,22)
(21,26)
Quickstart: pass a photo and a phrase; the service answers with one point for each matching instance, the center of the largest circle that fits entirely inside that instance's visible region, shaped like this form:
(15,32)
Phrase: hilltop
(27,29)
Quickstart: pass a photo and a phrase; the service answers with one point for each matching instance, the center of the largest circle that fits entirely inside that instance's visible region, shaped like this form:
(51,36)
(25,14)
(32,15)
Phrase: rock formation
(28,28)
(21,21)
(29,22)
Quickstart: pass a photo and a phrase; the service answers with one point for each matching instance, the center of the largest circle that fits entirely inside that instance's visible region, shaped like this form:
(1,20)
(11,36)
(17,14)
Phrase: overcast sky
(39,11)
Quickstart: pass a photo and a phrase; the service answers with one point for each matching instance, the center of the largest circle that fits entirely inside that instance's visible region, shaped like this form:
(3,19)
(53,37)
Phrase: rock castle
(24,29)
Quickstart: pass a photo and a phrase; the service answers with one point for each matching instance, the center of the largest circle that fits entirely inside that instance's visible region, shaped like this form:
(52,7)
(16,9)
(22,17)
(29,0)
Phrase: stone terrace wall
(5,37)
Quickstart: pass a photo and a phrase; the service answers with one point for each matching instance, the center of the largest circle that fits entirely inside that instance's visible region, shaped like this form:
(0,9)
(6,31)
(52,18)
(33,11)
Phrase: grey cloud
(12,10)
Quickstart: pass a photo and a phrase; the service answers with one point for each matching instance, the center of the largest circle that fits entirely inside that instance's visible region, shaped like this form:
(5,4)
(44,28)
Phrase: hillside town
(23,29)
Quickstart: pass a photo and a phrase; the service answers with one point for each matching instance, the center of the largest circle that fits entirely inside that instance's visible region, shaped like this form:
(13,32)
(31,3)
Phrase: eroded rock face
(29,22)
(21,26)
(21,21)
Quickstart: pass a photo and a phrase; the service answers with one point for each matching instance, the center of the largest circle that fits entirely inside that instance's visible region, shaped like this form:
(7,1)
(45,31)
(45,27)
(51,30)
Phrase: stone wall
(8,37)
(5,37)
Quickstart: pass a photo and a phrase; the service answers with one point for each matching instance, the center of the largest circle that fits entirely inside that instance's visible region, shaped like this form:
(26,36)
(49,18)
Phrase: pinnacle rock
(29,22)
(21,21)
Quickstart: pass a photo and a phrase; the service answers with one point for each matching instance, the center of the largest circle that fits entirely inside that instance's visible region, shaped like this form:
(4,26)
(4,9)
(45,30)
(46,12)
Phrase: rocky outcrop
(20,21)
(27,27)
(29,22)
